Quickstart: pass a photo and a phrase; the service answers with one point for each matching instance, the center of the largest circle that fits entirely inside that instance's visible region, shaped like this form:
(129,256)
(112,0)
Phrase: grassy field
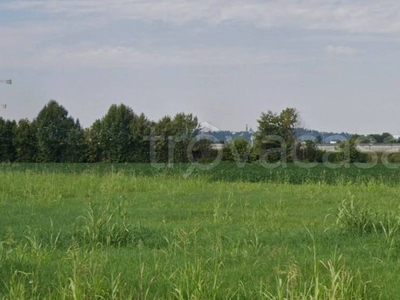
(131,232)
(230,172)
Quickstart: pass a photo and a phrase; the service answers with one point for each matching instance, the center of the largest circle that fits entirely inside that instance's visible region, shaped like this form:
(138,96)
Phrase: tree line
(122,136)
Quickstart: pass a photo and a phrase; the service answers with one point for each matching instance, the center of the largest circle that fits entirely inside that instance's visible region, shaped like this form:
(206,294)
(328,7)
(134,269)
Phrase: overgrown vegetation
(75,232)
(291,173)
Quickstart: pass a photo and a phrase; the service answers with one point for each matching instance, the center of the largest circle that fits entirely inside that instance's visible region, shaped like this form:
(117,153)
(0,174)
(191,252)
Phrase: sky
(227,61)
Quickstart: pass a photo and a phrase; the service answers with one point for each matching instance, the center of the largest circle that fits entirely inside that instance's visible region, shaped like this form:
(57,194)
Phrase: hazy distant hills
(302,134)
(326,137)
(222,136)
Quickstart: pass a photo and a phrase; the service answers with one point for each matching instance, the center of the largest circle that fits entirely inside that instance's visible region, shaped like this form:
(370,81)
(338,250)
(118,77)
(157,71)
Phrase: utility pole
(7,81)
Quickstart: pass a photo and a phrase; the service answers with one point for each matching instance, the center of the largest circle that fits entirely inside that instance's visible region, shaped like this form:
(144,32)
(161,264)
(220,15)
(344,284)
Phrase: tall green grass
(230,172)
(116,235)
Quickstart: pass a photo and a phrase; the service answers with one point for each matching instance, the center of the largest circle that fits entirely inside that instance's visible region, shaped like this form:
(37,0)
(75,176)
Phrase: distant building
(208,127)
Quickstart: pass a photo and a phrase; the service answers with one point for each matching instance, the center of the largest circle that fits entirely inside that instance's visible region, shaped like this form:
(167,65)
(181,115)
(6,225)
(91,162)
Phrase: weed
(106,225)
(352,217)
(331,282)
(162,237)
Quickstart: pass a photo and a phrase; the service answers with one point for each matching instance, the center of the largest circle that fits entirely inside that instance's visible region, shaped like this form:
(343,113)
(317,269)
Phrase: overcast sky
(226,61)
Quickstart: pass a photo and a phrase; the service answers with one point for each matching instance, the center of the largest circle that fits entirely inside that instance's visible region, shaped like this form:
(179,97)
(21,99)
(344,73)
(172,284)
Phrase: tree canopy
(124,136)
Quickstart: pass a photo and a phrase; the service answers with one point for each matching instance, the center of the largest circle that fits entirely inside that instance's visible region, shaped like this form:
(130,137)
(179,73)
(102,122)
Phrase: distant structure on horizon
(223,136)
(208,127)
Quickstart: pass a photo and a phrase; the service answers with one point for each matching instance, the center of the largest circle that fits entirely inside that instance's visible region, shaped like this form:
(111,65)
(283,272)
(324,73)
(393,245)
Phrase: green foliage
(230,172)
(116,134)
(393,158)
(100,231)
(141,129)
(237,150)
(340,283)
(175,137)
(25,142)
(59,137)
(202,151)
(351,153)
(276,134)
(106,225)
(120,136)
(7,148)
(385,137)
(94,142)
(308,151)
(76,144)
(163,129)
(352,217)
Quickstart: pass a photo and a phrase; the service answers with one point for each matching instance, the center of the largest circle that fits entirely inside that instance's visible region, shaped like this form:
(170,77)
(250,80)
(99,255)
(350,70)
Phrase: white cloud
(341,51)
(363,16)
(57,39)
(110,57)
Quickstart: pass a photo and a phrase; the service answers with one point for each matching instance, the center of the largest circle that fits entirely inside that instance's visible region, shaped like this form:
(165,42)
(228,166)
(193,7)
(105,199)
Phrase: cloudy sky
(226,61)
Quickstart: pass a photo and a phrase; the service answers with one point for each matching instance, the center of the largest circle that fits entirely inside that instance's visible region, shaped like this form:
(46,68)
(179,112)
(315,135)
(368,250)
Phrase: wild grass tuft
(88,235)
(106,225)
(351,216)
(329,280)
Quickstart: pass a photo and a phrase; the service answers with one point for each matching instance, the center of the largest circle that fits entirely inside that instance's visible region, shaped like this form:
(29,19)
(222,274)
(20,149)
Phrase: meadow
(135,232)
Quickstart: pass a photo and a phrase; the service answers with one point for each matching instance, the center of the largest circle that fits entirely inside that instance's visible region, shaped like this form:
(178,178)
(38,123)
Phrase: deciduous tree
(7,149)
(25,142)
(116,133)
(58,135)
(276,133)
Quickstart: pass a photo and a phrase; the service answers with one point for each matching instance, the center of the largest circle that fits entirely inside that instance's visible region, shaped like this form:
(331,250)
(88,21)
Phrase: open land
(106,231)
